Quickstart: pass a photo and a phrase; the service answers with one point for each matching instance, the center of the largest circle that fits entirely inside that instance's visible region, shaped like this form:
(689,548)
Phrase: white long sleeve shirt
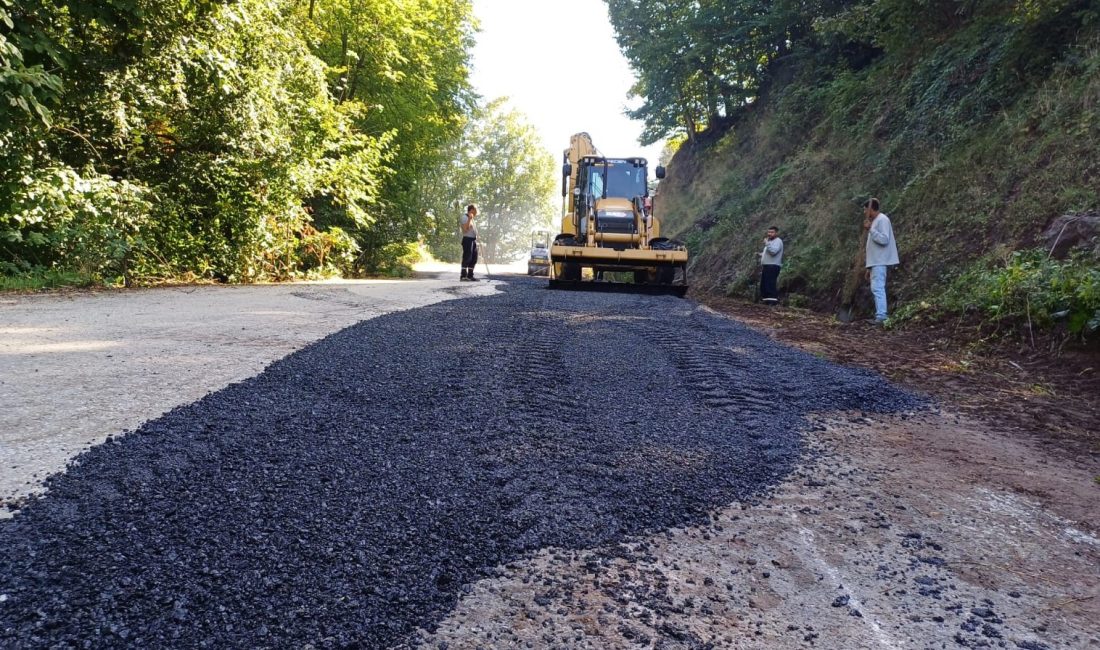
(882,249)
(772,253)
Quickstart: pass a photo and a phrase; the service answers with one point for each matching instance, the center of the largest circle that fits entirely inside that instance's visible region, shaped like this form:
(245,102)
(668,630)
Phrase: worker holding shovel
(882,252)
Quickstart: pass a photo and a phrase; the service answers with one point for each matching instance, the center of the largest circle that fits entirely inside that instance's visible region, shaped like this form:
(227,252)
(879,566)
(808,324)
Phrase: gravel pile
(352,492)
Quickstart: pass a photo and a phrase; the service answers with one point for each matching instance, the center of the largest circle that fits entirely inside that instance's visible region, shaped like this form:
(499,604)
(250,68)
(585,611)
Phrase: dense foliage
(232,139)
(1028,288)
(699,61)
(405,63)
(974,121)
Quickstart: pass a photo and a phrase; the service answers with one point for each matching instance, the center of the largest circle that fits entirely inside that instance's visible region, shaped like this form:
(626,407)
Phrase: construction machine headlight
(615,214)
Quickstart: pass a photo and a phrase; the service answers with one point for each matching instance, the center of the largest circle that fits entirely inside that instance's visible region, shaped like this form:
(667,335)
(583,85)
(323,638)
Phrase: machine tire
(665,274)
(570,271)
(642,277)
(682,274)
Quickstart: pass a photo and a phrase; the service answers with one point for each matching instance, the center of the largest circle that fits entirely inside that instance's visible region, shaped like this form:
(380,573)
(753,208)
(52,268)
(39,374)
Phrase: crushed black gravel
(351,492)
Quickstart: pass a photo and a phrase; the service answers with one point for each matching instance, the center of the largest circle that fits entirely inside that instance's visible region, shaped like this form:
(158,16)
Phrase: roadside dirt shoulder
(1051,399)
(901,532)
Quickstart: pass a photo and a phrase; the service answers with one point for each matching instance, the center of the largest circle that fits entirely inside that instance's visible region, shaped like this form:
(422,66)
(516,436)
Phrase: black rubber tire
(571,272)
(682,274)
(641,277)
(665,274)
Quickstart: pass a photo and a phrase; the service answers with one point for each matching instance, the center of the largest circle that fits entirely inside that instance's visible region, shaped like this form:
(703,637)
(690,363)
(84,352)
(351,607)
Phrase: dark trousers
(769,283)
(469,254)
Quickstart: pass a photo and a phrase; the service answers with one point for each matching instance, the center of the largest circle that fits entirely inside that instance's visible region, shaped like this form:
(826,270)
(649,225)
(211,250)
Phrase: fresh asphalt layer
(351,493)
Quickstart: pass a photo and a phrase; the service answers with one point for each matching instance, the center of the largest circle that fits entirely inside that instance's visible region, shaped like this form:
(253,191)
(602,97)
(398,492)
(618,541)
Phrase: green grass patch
(38,279)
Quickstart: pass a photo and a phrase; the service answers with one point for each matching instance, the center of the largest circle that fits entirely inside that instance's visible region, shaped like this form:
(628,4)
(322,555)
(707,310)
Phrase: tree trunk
(712,99)
(344,58)
(731,108)
(353,77)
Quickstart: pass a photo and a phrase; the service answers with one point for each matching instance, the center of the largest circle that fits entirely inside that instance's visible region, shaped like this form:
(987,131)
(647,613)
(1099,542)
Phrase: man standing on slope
(882,251)
(469,243)
(771,260)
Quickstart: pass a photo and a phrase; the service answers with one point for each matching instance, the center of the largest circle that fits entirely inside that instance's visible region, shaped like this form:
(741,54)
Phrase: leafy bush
(91,222)
(397,260)
(1027,287)
(327,253)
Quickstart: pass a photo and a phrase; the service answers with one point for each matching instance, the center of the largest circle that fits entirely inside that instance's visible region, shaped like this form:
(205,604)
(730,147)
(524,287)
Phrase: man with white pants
(882,251)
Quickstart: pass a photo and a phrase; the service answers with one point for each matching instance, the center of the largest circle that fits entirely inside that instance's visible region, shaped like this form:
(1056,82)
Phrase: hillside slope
(975,144)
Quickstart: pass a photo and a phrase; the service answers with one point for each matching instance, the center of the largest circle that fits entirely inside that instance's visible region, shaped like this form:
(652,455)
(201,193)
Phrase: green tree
(217,114)
(405,62)
(699,61)
(501,165)
(233,139)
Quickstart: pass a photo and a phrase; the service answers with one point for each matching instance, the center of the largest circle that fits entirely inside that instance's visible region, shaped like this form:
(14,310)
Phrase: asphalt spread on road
(351,493)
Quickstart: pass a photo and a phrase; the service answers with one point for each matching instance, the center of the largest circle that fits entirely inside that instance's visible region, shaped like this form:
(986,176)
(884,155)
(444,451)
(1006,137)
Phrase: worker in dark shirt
(771,260)
(469,243)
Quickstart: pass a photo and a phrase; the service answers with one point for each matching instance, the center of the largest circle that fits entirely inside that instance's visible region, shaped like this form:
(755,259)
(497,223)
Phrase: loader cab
(608,189)
(603,178)
(607,225)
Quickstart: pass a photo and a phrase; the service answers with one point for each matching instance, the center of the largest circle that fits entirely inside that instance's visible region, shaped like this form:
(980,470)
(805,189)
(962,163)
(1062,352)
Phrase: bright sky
(558,62)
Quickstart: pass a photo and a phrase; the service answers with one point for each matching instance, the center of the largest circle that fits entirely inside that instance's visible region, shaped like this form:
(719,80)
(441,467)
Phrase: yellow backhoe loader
(607,230)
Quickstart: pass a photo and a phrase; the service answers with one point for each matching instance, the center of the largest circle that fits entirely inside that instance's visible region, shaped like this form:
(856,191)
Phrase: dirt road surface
(558,470)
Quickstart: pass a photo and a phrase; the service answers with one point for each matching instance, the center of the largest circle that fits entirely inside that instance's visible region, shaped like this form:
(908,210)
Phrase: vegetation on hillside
(975,121)
(224,139)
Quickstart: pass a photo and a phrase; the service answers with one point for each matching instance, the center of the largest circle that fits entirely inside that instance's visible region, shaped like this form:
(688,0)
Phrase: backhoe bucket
(656,271)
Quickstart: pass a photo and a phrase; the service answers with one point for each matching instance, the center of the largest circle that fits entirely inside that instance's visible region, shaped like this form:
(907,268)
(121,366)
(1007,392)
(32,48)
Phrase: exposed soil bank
(1050,397)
